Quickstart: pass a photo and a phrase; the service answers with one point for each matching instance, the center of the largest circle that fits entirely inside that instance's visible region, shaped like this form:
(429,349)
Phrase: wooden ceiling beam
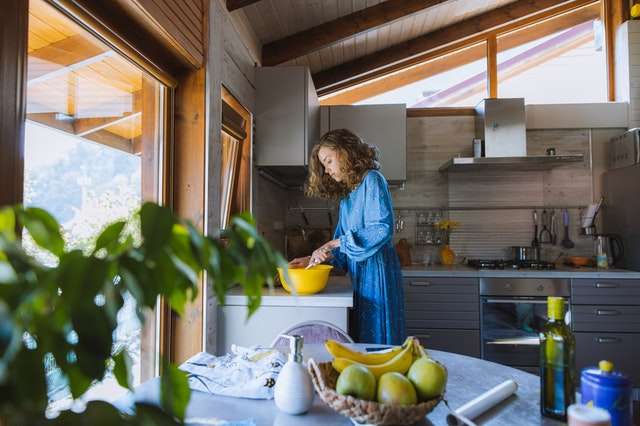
(66,124)
(239,4)
(85,126)
(412,52)
(323,35)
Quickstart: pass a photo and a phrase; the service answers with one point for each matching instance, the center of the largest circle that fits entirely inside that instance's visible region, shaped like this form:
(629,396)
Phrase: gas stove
(537,265)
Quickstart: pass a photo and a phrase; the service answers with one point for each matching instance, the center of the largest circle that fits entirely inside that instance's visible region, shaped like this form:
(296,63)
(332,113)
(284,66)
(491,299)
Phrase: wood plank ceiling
(78,85)
(274,21)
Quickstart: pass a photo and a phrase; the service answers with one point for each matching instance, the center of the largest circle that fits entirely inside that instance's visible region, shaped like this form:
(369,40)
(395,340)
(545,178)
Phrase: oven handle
(521,301)
(527,341)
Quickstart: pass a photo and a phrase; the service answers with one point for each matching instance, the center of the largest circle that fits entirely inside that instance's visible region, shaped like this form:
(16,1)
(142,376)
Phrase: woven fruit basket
(324,378)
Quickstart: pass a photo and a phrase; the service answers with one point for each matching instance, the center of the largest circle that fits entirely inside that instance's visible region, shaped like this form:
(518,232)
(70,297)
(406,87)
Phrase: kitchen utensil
(482,403)
(589,217)
(566,242)
(545,235)
(535,242)
(306,281)
(611,390)
(610,248)
(525,254)
(554,230)
(578,260)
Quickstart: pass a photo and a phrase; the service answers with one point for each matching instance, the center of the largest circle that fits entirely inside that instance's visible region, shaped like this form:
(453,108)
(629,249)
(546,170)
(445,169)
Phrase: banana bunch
(398,359)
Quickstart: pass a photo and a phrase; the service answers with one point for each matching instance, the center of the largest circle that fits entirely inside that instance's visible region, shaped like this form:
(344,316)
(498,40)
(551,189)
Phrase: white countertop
(561,272)
(337,294)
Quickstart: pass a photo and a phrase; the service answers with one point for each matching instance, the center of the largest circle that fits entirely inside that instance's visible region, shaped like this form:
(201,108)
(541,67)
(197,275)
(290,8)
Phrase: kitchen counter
(562,272)
(337,294)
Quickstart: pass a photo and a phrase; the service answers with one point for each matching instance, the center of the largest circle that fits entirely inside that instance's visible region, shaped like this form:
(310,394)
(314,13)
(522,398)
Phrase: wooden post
(614,13)
(492,66)
(14,20)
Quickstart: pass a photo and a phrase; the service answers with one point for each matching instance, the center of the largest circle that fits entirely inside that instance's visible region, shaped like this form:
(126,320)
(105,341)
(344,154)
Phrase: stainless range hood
(501,124)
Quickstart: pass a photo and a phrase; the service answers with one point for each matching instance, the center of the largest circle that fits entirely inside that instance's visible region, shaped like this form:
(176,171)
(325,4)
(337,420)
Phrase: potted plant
(66,313)
(447,255)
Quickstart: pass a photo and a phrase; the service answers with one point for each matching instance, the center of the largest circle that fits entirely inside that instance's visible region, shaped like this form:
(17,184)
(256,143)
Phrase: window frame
(612,13)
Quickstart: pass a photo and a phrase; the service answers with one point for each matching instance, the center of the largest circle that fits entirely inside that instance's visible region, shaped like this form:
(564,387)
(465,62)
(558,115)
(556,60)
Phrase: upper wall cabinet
(287,116)
(384,126)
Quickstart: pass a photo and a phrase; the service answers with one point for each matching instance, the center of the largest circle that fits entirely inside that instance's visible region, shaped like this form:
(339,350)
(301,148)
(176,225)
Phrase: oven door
(509,330)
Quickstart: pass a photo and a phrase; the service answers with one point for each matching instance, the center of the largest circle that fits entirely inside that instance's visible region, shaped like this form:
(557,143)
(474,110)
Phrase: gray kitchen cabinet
(384,126)
(606,323)
(620,348)
(444,313)
(287,116)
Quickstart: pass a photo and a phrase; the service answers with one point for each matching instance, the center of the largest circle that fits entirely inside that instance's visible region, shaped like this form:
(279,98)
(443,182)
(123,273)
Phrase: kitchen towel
(244,373)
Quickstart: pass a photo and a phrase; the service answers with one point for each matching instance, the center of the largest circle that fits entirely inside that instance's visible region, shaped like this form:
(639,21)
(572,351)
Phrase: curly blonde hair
(356,158)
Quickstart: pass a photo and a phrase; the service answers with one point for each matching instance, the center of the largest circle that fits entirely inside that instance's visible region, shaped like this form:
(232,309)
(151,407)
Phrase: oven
(512,313)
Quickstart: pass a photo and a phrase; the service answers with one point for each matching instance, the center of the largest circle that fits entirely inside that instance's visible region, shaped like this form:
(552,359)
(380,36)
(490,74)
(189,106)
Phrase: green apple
(428,377)
(356,380)
(396,389)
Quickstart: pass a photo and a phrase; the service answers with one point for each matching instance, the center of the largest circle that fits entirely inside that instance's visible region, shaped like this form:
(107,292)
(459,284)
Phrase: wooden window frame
(178,136)
(613,14)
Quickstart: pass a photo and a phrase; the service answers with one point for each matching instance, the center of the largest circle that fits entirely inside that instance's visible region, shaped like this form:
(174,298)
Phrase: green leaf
(43,228)
(96,413)
(8,223)
(175,392)
(108,239)
(156,224)
(122,369)
(151,415)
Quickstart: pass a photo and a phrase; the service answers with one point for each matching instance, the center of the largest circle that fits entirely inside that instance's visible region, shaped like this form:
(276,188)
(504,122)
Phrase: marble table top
(468,378)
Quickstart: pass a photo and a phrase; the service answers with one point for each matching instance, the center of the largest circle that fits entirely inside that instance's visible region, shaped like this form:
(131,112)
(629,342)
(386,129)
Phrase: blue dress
(365,230)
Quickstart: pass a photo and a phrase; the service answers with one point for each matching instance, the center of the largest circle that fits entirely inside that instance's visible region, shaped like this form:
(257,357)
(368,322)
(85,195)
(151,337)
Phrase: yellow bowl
(306,281)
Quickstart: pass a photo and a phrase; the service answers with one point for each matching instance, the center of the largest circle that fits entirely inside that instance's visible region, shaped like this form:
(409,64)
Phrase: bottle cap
(555,308)
(605,366)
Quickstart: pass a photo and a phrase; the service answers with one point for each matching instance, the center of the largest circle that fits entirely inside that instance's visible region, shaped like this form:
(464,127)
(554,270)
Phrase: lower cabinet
(444,313)
(465,342)
(623,349)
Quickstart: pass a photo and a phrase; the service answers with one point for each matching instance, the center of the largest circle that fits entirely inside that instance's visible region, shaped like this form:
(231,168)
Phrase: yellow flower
(447,224)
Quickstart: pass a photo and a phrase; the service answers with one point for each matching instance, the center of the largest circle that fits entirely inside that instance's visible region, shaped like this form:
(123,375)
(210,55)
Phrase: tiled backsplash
(488,229)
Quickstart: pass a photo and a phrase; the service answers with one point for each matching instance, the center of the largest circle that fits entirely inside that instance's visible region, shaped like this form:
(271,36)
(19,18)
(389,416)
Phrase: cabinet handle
(608,312)
(607,285)
(421,283)
(607,340)
(425,336)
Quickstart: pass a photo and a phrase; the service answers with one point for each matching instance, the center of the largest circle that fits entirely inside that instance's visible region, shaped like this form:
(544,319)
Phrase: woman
(343,167)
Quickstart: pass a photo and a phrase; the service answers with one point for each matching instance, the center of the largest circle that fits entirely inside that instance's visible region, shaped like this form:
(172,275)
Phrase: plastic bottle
(293,392)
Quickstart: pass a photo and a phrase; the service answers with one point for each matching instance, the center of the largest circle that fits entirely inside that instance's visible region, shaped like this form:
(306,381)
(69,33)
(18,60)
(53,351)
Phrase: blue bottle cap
(605,376)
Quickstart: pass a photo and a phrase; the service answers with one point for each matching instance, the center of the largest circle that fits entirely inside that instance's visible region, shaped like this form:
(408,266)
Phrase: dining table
(467,378)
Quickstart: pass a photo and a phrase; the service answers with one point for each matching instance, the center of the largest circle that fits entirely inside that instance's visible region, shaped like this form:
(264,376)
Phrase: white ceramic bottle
(293,392)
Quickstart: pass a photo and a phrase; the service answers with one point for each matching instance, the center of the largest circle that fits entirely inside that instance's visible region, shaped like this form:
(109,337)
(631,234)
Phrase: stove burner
(509,264)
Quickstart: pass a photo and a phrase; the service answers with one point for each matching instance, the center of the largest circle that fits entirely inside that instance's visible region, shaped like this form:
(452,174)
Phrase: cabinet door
(605,292)
(384,126)
(619,348)
(281,116)
(464,342)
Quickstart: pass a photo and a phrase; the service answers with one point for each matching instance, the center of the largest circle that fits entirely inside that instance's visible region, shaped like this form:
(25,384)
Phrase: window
(236,158)
(456,79)
(561,60)
(92,154)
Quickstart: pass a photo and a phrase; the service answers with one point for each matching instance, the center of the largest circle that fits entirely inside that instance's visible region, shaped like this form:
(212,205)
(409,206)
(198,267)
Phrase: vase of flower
(447,255)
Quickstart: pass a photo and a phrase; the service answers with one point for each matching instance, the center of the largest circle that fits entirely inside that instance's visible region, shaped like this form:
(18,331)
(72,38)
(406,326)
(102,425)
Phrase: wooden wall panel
(188,197)
(13,71)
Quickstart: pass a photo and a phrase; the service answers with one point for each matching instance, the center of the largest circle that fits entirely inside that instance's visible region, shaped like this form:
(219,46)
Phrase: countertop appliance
(512,312)
(510,264)
(620,212)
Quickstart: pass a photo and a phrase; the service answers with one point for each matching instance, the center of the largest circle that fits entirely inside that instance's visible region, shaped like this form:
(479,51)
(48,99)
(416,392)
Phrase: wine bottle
(557,363)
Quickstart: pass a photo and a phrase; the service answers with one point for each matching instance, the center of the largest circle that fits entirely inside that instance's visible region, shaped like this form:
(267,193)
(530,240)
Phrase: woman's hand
(300,262)
(323,254)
